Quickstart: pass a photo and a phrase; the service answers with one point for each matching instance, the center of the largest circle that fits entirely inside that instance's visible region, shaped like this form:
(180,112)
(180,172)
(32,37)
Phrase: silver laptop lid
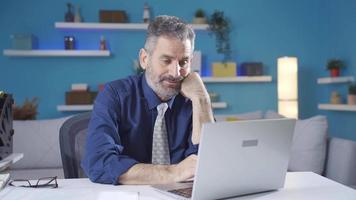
(242,157)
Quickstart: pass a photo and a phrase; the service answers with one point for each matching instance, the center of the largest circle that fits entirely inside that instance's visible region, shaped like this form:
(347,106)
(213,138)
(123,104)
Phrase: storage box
(112,16)
(23,41)
(80,97)
(251,69)
(227,69)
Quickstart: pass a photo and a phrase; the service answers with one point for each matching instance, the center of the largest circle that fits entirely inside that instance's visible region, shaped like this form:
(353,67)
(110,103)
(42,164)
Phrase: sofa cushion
(309,145)
(38,140)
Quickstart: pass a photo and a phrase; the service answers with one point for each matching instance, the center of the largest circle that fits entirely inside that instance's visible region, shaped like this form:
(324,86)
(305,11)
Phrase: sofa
(312,150)
(38,140)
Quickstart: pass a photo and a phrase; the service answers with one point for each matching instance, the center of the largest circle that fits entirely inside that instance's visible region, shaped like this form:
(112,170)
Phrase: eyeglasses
(45,182)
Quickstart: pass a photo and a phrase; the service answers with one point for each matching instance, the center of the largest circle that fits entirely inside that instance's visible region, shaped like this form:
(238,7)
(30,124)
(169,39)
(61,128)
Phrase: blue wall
(341,33)
(262,31)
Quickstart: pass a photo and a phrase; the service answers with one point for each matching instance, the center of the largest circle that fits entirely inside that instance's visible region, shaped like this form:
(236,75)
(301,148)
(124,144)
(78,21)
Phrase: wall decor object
(23,41)
(287,86)
(351,97)
(146,13)
(80,97)
(199,17)
(224,69)
(103,45)
(77,16)
(251,69)
(69,16)
(112,16)
(28,111)
(219,25)
(335,98)
(69,42)
(334,66)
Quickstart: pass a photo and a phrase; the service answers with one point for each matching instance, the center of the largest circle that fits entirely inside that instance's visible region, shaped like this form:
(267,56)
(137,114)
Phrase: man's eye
(167,62)
(183,63)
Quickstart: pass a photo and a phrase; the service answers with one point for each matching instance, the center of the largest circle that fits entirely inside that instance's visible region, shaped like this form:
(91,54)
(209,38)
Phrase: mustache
(172,79)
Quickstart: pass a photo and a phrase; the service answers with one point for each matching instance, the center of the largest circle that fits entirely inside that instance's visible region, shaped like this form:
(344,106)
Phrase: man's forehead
(171,46)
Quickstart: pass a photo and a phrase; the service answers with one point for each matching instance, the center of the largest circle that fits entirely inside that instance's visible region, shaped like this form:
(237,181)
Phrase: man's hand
(185,169)
(193,88)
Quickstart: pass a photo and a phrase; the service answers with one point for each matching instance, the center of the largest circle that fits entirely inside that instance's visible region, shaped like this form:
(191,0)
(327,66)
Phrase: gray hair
(169,26)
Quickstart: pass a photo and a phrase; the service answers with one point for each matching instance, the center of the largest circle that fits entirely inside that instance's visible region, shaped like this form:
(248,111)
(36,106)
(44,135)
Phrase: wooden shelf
(56,53)
(337,107)
(67,108)
(331,80)
(237,79)
(113,26)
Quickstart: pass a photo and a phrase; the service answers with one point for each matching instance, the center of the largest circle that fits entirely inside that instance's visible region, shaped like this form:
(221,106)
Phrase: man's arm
(194,89)
(159,174)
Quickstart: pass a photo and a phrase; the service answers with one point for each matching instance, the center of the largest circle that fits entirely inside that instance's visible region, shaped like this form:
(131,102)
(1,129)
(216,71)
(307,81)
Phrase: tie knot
(161,108)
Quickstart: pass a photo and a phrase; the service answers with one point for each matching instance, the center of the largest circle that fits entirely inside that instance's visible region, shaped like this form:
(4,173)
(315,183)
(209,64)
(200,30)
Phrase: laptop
(238,158)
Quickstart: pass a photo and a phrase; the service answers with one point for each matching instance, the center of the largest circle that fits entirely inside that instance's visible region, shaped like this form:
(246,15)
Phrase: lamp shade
(288,86)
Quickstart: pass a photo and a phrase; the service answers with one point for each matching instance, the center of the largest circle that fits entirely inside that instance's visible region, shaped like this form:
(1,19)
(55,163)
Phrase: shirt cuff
(193,149)
(118,167)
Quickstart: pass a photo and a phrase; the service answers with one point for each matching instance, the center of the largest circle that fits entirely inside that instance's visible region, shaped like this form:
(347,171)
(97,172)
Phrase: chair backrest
(72,140)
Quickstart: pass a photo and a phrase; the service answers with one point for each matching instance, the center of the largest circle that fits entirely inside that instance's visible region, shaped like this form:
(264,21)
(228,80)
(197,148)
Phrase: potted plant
(27,111)
(199,17)
(351,97)
(219,25)
(334,66)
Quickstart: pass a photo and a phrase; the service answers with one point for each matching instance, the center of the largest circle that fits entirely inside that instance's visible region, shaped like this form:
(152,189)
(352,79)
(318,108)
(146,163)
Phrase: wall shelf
(331,80)
(74,108)
(337,107)
(219,105)
(237,79)
(113,26)
(56,53)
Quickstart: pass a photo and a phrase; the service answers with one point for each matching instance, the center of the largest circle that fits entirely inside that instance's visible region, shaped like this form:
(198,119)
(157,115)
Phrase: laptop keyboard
(185,192)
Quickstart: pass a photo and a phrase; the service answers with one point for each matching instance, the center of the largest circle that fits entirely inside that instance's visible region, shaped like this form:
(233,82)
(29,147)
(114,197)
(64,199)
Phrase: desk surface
(299,185)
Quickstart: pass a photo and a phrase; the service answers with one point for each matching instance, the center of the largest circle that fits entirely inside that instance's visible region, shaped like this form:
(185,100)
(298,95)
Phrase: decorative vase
(335,72)
(351,99)
(69,16)
(77,16)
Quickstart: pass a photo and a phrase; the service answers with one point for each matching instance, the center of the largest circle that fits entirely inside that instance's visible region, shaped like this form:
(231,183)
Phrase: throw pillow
(309,145)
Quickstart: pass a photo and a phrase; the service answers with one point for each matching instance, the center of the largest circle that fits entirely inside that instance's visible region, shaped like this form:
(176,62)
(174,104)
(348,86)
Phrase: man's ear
(143,58)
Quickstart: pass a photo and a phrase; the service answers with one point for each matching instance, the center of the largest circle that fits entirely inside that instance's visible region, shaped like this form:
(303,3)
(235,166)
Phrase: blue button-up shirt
(121,128)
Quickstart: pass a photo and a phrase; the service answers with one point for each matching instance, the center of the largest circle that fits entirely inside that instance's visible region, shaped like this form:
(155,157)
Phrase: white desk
(299,185)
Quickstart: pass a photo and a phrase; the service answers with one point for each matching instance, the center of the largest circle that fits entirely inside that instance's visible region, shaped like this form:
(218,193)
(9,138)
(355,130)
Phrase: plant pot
(199,20)
(227,69)
(335,72)
(351,99)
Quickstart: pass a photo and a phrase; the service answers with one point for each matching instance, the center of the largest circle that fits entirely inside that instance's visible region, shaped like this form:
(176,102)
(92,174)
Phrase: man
(145,129)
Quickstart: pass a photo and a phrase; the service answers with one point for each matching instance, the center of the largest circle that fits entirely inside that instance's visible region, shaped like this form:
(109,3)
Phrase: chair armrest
(341,161)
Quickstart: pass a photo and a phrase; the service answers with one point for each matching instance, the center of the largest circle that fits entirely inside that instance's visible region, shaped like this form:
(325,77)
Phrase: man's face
(167,65)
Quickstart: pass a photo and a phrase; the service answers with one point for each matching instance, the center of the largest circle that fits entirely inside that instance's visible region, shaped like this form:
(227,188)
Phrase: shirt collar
(151,97)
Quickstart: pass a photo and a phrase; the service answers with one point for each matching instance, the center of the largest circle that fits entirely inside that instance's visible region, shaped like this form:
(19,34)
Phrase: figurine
(69,17)
(103,43)
(146,13)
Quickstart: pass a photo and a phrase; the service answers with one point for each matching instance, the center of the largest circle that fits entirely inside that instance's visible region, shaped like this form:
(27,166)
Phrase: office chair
(72,138)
